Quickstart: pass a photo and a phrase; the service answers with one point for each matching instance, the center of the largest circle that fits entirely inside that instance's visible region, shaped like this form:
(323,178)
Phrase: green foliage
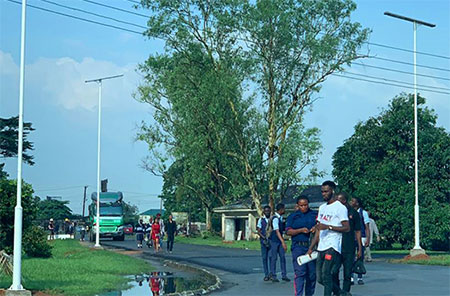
(55,209)
(7,204)
(130,213)
(9,129)
(377,164)
(35,243)
(76,270)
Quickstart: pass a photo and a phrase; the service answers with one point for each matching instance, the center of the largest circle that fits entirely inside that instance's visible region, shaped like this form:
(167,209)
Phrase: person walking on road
(171,229)
(365,231)
(350,241)
(300,225)
(263,228)
(278,245)
(156,234)
(162,231)
(373,229)
(139,230)
(333,221)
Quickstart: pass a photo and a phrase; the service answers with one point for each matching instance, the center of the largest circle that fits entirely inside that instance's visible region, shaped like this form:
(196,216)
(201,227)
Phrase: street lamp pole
(99,82)
(16,287)
(417,249)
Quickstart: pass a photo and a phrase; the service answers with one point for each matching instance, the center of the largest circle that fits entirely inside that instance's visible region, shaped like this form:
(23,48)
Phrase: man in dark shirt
(299,225)
(171,229)
(350,241)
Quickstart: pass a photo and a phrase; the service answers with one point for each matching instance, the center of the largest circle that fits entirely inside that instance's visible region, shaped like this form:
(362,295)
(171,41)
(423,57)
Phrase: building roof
(152,212)
(313,193)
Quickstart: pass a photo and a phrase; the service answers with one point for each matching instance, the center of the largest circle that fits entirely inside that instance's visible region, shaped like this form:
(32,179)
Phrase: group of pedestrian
(53,228)
(340,231)
(154,231)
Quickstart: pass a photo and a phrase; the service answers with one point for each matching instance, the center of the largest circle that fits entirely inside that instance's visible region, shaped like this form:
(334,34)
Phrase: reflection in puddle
(161,283)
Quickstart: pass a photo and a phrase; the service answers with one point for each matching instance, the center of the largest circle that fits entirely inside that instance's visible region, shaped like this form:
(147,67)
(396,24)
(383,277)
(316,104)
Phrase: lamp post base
(18,293)
(416,252)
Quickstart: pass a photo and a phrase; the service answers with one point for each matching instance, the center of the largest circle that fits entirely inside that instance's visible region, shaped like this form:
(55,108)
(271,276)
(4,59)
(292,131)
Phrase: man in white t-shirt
(332,222)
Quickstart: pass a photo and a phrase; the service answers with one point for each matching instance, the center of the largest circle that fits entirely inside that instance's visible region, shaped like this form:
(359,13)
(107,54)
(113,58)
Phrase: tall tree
(55,209)
(9,130)
(377,164)
(283,50)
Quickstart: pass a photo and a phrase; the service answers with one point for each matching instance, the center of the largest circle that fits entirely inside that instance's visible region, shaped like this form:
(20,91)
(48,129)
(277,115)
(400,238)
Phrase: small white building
(239,219)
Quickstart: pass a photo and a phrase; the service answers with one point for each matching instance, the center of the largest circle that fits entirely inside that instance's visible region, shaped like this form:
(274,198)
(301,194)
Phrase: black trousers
(347,260)
(328,263)
(170,239)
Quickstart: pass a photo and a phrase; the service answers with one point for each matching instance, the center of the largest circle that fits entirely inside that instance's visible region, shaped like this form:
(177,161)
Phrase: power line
(391,84)
(133,1)
(116,8)
(58,188)
(408,50)
(78,18)
(407,63)
(399,71)
(94,14)
(396,81)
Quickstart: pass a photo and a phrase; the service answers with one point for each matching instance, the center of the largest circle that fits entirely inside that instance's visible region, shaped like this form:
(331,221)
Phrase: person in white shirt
(332,222)
(262,228)
(373,229)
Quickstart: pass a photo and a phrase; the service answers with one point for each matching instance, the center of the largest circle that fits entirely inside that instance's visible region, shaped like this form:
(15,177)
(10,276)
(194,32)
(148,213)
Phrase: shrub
(35,243)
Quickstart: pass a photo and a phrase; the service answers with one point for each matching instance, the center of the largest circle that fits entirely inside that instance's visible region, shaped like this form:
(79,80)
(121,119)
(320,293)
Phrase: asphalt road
(241,271)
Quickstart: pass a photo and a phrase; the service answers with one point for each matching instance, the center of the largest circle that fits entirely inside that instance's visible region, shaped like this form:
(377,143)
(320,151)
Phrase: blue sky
(62,52)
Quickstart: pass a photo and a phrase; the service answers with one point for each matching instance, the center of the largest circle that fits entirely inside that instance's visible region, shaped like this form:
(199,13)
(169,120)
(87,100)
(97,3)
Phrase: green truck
(111,216)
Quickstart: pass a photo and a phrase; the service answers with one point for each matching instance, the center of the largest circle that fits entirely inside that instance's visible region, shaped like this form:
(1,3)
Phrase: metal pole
(84,200)
(416,151)
(18,211)
(97,234)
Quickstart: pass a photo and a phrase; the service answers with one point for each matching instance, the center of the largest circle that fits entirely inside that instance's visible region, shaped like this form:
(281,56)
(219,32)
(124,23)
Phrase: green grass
(78,270)
(443,260)
(216,241)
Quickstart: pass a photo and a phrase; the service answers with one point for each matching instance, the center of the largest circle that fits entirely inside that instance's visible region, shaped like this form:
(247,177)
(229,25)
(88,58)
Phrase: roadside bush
(35,243)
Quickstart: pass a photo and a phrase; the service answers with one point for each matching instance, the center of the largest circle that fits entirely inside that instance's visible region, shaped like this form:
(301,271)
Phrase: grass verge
(443,260)
(78,270)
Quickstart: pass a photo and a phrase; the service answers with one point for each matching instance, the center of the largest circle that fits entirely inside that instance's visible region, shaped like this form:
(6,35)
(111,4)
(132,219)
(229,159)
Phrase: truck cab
(111,216)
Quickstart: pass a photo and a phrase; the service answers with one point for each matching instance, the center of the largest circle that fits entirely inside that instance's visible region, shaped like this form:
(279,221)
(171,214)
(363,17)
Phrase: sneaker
(286,279)
(352,282)
(360,282)
(275,280)
(266,278)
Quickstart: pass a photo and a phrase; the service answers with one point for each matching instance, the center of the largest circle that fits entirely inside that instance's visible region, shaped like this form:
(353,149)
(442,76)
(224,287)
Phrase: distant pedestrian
(148,234)
(51,229)
(171,229)
(300,225)
(373,229)
(278,246)
(351,241)
(82,232)
(263,228)
(139,230)
(333,221)
(365,231)
(163,230)
(67,226)
(156,234)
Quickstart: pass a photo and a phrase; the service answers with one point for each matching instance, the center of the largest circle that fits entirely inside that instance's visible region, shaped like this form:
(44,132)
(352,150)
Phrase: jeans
(347,262)
(305,275)
(170,240)
(276,250)
(265,254)
(328,263)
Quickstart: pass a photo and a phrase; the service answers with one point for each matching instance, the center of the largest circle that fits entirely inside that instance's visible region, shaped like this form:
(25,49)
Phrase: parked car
(128,229)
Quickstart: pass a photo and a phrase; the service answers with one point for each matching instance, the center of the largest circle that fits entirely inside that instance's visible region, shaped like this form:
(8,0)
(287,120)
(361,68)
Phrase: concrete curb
(217,285)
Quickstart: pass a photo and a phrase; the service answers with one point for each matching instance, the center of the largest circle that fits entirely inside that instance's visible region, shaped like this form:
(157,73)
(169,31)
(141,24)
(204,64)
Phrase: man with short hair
(332,222)
(262,227)
(171,228)
(299,225)
(365,231)
(278,246)
(350,241)
(373,231)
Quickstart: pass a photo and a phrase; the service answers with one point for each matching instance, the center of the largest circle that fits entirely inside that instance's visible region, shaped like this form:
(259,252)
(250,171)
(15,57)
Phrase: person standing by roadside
(171,229)
(162,231)
(51,229)
(139,230)
(262,228)
(333,221)
(350,241)
(373,229)
(300,225)
(278,245)
(365,231)
(156,234)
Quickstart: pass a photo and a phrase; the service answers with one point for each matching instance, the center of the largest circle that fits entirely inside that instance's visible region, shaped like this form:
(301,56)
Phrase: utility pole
(99,82)
(84,199)
(16,287)
(417,250)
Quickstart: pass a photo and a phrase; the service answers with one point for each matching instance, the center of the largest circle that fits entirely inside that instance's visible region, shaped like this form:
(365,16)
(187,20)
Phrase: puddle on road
(162,283)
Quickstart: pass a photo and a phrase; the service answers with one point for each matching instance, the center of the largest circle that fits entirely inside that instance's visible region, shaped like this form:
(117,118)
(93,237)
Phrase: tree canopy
(377,164)
(9,129)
